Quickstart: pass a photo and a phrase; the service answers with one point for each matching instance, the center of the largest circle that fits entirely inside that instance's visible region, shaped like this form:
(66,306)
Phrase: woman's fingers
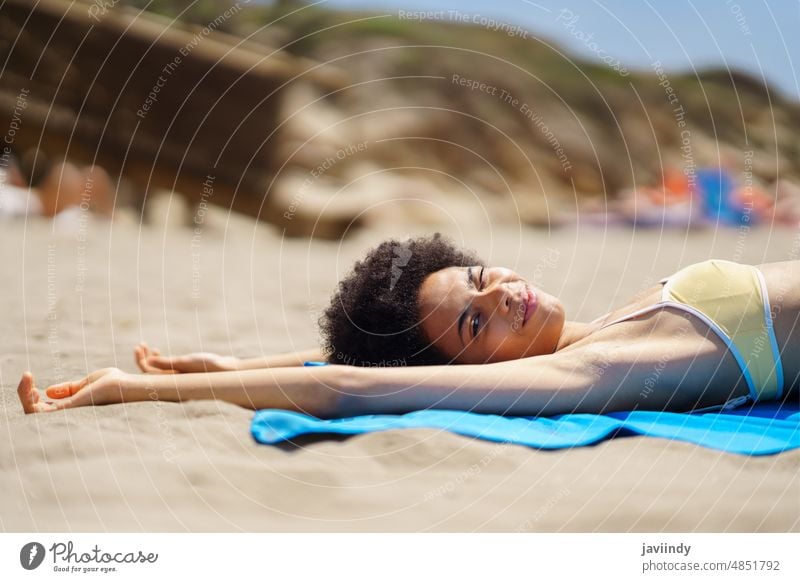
(65,389)
(166,364)
(99,387)
(28,395)
(150,361)
(31,399)
(140,356)
(141,353)
(160,365)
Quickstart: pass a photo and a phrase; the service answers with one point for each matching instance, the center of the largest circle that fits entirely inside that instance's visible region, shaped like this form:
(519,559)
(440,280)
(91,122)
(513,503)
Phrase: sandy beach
(80,297)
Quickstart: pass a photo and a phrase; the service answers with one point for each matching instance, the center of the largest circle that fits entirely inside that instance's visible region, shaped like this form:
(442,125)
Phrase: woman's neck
(572,332)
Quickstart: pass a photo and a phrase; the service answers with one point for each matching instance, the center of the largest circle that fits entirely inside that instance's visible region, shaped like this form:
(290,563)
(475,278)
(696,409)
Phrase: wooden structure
(164,105)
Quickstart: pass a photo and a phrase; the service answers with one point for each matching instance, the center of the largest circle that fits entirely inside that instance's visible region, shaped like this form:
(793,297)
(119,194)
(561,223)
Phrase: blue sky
(760,37)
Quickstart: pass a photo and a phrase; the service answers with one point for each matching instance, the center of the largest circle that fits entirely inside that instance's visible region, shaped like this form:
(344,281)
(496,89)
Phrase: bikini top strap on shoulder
(644,310)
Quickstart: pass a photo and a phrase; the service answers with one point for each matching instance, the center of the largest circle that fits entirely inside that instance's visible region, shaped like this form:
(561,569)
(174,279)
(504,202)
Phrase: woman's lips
(531,304)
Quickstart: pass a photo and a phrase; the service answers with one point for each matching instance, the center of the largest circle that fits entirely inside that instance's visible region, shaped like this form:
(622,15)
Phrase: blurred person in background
(56,189)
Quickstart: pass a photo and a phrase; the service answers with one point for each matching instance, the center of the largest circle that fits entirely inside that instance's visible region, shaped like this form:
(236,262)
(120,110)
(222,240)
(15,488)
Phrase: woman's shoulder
(642,299)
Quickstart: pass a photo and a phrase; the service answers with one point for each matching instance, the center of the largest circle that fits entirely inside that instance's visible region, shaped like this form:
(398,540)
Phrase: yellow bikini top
(731,299)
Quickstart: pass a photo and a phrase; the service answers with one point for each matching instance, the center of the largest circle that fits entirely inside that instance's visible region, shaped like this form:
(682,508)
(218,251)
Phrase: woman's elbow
(338,394)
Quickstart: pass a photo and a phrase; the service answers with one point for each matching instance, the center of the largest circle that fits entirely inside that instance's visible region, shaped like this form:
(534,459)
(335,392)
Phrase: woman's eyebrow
(463,316)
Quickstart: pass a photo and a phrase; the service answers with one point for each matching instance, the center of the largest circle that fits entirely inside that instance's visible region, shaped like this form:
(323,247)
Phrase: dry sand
(72,306)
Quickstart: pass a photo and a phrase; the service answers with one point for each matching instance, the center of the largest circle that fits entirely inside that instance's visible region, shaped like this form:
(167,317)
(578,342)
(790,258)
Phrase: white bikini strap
(643,310)
(636,313)
(771,333)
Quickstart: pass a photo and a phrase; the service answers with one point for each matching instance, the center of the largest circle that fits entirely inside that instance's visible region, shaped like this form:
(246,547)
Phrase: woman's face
(477,315)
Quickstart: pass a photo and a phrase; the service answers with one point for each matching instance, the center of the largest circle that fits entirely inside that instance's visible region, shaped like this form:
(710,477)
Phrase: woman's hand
(100,387)
(150,361)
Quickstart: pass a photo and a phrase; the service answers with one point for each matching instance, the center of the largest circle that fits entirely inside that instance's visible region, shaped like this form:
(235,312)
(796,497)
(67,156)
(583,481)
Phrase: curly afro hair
(373,318)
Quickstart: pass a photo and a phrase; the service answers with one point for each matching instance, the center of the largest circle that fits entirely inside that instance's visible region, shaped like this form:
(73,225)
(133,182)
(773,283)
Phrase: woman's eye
(475,325)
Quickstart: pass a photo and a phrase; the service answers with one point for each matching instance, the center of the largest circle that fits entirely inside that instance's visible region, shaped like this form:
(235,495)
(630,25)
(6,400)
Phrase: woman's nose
(499,298)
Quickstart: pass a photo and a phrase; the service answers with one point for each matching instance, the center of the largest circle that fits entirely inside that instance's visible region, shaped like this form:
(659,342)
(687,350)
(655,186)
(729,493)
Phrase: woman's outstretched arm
(604,376)
(542,385)
(288,359)
(313,390)
(150,361)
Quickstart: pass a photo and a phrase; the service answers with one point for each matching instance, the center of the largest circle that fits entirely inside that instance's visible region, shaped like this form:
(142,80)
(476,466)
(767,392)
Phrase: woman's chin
(545,341)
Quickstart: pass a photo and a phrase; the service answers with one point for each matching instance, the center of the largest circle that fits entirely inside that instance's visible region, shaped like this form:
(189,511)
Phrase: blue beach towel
(763,429)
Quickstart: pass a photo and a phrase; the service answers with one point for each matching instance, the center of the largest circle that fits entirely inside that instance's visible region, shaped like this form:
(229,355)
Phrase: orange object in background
(676,182)
(675,189)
